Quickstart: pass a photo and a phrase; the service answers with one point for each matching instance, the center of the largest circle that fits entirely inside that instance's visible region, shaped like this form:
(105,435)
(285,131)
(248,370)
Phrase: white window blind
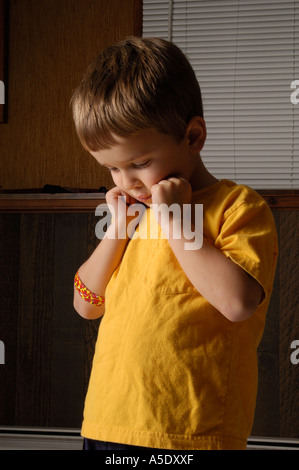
(246,55)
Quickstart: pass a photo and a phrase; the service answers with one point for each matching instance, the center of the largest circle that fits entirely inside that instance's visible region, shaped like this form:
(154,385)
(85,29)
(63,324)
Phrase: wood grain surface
(51,43)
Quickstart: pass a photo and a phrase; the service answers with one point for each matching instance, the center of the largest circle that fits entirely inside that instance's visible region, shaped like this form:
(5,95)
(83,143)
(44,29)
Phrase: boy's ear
(196,133)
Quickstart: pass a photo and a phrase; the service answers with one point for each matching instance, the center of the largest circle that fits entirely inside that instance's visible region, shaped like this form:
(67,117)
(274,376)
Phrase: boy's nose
(130,182)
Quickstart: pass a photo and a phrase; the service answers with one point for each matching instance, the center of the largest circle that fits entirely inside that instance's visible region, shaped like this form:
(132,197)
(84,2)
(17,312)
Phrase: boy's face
(143,159)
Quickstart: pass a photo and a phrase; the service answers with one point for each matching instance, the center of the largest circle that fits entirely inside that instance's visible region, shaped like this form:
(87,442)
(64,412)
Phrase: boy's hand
(121,204)
(172,190)
(165,193)
(116,196)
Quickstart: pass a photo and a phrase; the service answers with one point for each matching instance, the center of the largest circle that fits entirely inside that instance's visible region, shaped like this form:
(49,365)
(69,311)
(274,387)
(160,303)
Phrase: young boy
(175,365)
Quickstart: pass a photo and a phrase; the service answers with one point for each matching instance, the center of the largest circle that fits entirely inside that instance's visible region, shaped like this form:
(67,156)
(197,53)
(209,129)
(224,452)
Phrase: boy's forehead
(129,149)
(110,156)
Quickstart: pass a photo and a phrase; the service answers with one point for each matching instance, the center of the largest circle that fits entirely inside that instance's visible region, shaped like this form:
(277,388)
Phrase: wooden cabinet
(48,346)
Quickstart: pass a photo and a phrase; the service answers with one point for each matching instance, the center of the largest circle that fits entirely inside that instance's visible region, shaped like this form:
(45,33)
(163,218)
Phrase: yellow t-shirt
(170,371)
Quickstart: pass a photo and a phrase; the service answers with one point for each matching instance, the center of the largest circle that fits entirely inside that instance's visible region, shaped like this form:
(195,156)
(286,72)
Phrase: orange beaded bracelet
(86,294)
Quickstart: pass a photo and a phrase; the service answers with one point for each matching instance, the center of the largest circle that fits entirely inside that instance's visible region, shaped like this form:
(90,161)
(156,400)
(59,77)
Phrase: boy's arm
(96,272)
(221,281)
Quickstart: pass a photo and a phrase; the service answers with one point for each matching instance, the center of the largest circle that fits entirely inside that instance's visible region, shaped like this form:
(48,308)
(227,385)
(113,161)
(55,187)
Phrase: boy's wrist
(124,225)
(170,218)
(185,226)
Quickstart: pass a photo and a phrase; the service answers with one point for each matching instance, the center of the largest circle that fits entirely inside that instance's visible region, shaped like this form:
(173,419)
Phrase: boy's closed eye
(141,165)
(134,165)
(111,169)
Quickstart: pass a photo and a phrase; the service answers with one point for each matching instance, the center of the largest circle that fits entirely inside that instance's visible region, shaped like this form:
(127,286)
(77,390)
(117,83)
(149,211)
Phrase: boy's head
(136,84)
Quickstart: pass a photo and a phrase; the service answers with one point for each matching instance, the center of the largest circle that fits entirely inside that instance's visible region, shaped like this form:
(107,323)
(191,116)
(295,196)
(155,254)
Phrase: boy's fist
(166,193)
(172,190)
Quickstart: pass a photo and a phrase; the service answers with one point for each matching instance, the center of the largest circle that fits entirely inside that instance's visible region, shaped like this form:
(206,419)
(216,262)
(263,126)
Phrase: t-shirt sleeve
(248,237)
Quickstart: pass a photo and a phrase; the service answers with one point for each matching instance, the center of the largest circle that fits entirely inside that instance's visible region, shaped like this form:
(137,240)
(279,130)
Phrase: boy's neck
(201,177)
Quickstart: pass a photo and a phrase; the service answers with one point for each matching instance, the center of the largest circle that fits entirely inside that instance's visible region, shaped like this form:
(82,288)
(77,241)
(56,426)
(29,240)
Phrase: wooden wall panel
(48,345)
(51,43)
(267,405)
(68,331)
(3,57)
(35,319)
(277,409)
(289,324)
(9,281)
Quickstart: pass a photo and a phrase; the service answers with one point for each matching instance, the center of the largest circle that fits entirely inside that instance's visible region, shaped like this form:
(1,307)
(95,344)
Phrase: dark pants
(90,444)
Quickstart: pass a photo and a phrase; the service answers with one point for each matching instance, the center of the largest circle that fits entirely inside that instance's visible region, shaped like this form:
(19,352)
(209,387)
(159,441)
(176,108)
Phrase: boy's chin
(146,201)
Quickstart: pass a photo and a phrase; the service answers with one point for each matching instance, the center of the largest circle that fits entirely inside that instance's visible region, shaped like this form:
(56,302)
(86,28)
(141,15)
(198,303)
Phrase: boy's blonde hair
(135,84)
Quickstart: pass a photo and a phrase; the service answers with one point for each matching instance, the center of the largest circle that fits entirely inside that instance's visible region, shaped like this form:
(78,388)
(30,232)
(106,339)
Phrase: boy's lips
(142,197)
